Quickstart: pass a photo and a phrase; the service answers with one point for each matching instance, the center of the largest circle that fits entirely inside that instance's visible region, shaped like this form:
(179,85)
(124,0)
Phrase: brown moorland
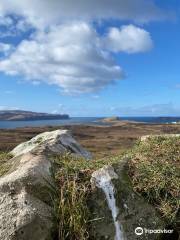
(101,140)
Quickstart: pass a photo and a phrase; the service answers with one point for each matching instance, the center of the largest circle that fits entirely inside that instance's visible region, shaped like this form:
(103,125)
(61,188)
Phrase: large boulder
(117,210)
(59,141)
(25,208)
(27,189)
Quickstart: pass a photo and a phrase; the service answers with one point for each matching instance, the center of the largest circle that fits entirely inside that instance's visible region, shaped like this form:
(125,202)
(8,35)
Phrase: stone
(27,189)
(131,209)
(59,141)
(25,209)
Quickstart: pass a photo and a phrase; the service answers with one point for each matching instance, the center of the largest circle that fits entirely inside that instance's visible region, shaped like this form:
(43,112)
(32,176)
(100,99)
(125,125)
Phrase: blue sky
(118,62)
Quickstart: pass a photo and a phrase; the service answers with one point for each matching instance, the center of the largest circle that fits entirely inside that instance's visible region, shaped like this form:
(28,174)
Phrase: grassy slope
(154,170)
(155,173)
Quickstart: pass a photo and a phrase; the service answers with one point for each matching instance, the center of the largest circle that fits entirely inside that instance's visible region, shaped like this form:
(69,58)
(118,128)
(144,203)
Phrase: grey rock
(59,141)
(133,210)
(26,190)
(25,213)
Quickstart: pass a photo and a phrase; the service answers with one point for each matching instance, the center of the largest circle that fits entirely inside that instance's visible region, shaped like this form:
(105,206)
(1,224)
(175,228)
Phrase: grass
(153,168)
(73,182)
(155,173)
(4,165)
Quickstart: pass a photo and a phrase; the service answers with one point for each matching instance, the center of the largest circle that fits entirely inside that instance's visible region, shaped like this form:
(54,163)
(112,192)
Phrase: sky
(92,58)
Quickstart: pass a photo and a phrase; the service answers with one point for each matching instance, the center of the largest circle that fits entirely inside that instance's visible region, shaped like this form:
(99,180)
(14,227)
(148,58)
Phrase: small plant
(155,172)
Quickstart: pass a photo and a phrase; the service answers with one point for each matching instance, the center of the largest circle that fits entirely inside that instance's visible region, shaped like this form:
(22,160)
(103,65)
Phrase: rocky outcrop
(59,141)
(25,209)
(123,211)
(26,190)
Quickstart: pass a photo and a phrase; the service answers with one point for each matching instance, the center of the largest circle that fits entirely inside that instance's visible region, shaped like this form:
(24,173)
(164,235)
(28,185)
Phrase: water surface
(82,120)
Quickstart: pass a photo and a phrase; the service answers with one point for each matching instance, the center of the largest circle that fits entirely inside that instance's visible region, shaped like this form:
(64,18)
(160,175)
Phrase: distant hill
(19,115)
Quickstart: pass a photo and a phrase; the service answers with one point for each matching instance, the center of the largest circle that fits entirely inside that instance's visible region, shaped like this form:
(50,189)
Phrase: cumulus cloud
(6,21)
(64,48)
(70,56)
(4,47)
(130,39)
(44,12)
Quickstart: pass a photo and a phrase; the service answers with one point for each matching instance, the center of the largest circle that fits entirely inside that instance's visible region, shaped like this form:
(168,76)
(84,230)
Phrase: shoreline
(10,125)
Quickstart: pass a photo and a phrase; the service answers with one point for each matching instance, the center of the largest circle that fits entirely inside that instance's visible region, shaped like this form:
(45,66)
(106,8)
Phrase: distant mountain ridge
(20,115)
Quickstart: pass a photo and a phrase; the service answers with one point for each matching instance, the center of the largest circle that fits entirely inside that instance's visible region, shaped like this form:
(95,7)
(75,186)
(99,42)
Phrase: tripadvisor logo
(139,231)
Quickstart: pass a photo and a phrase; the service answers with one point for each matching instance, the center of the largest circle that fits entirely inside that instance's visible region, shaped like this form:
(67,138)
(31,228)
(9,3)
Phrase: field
(101,141)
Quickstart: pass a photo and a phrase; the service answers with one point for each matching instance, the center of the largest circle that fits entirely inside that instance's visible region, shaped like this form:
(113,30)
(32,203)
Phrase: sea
(83,120)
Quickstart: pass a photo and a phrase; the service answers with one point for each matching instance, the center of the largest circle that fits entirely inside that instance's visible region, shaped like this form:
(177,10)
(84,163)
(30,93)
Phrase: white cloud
(64,49)
(6,21)
(4,48)
(45,12)
(61,109)
(5,108)
(74,57)
(69,56)
(130,39)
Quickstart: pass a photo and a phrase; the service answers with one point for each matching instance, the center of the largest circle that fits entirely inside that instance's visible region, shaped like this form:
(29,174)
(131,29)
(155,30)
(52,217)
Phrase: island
(111,119)
(20,115)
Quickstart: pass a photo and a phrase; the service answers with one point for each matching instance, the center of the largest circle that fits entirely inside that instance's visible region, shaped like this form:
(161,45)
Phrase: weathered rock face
(59,141)
(26,211)
(128,211)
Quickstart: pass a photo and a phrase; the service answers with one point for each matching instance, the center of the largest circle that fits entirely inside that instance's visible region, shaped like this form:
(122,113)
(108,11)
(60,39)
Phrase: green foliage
(155,173)
(4,165)
(153,167)
(73,181)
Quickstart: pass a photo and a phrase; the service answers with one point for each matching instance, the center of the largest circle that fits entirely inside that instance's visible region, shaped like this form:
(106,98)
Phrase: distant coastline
(20,115)
(87,121)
